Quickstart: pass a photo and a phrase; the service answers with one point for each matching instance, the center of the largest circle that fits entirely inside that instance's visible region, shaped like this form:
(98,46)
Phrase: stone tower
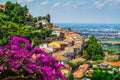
(48,17)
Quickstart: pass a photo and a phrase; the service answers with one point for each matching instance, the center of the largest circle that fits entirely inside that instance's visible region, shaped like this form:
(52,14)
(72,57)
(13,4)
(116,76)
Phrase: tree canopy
(93,49)
(13,23)
(100,74)
(16,12)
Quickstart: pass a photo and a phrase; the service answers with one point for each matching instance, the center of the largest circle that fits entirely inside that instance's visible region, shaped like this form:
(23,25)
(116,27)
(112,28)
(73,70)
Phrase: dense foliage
(31,33)
(11,30)
(14,22)
(93,50)
(70,77)
(18,58)
(16,13)
(102,74)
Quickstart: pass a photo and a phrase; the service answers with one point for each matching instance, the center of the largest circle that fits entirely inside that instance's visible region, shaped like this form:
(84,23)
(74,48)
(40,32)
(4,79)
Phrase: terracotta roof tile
(117,64)
(114,63)
(78,59)
(61,58)
(78,74)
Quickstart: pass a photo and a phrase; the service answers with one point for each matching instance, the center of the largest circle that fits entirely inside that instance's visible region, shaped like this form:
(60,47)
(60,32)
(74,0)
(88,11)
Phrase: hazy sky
(75,11)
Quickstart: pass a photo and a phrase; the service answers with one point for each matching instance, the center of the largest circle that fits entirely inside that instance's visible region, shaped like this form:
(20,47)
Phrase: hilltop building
(3,7)
(44,21)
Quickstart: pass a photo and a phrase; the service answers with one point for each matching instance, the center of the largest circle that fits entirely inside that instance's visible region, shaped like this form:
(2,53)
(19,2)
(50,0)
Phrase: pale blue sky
(75,11)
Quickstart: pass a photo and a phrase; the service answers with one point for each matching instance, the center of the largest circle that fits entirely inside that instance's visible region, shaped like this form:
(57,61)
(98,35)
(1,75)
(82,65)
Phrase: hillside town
(68,48)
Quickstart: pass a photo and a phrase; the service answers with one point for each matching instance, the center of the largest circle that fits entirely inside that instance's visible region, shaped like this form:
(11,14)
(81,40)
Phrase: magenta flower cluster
(17,57)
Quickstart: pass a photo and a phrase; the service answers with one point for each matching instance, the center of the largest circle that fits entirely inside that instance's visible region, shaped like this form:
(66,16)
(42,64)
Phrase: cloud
(68,4)
(44,3)
(118,0)
(99,4)
(56,4)
(112,1)
(81,3)
(25,0)
(75,4)
(117,4)
(108,1)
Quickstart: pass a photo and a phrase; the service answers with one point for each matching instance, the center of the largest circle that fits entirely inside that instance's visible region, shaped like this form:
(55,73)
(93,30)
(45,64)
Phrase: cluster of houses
(81,71)
(86,70)
(66,47)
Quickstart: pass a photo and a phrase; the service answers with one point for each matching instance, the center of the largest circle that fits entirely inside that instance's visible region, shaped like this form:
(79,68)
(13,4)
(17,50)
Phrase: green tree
(1,11)
(97,57)
(9,5)
(35,19)
(85,54)
(94,49)
(25,9)
(15,19)
(100,74)
(70,77)
(40,26)
(16,12)
(39,18)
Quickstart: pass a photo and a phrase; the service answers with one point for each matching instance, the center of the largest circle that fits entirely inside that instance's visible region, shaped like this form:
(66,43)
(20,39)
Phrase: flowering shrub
(18,58)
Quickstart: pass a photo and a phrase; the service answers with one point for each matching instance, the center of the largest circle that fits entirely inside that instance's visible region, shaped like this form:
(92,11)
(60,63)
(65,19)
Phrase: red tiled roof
(78,74)
(61,58)
(114,63)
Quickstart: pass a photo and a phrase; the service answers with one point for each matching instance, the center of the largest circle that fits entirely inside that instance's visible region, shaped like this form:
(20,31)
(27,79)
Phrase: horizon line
(81,23)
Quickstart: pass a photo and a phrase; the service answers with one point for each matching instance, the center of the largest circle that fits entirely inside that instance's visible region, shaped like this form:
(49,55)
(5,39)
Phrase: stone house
(56,46)
(3,7)
(59,34)
(69,42)
(63,44)
(45,46)
(45,21)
